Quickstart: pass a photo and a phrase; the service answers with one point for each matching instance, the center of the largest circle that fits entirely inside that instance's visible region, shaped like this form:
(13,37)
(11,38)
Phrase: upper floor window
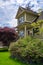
(21,33)
(21,20)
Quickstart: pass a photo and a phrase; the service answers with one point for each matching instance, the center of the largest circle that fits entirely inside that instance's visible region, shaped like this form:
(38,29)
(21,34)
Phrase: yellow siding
(30,17)
(23,15)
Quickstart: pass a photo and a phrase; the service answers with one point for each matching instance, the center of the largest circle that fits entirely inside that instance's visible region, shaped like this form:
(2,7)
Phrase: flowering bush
(27,49)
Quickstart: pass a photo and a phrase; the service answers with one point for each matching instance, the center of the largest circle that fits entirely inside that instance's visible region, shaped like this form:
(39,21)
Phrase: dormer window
(21,19)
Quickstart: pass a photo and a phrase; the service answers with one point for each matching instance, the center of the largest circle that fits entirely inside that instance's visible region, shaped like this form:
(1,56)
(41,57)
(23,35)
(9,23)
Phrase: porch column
(25,32)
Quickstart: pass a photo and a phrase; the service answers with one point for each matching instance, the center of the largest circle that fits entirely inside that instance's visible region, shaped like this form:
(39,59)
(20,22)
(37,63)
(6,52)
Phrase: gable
(19,11)
(41,16)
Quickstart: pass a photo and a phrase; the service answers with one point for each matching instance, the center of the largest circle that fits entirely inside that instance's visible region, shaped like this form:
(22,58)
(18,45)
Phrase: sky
(8,10)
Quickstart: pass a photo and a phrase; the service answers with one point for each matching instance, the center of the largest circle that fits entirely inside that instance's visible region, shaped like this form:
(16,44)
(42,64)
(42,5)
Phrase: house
(25,17)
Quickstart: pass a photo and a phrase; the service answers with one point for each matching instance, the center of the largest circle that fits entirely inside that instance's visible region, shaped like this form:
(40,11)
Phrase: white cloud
(20,1)
(13,23)
(9,9)
(0,25)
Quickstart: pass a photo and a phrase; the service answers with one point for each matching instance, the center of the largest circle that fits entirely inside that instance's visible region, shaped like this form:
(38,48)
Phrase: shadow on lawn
(23,62)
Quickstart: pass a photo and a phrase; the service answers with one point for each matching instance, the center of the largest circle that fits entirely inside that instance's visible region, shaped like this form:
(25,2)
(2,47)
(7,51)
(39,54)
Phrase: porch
(25,29)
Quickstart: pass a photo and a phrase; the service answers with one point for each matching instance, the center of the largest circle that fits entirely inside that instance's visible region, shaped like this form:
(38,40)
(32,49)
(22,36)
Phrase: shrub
(27,49)
(8,35)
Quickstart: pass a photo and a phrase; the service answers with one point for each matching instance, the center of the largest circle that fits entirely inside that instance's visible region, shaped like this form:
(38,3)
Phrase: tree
(39,25)
(8,35)
(28,5)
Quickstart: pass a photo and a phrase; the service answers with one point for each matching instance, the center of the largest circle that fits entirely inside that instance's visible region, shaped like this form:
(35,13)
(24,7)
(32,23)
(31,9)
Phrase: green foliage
(28,49)
(38,25)
(40,22)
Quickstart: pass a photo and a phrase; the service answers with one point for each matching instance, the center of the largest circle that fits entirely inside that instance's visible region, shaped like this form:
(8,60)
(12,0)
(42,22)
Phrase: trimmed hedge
(27,50)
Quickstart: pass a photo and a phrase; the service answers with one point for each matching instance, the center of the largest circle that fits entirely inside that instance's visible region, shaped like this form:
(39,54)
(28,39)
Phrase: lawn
(6,60)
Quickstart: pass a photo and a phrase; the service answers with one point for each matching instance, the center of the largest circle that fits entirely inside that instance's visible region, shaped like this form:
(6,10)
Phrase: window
(35,30)
(21,33)
(21,20)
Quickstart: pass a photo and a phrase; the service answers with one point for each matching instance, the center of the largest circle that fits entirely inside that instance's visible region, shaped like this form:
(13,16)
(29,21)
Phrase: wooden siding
(30,17)
(18,12)
(22,15)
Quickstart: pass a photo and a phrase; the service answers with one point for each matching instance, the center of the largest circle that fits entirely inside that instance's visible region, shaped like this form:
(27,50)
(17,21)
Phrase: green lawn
(6,60)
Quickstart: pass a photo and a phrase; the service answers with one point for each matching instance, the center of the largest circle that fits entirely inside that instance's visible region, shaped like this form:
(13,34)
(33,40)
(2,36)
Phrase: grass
(3,48)
(6,60)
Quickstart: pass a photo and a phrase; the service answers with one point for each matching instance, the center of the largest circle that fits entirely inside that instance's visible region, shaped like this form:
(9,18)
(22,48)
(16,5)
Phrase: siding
(20,17)
(30,17)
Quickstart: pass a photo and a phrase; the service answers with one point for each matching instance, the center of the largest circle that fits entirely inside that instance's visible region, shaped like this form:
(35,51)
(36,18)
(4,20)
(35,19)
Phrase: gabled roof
(41,16)
(29,11)
(21,9)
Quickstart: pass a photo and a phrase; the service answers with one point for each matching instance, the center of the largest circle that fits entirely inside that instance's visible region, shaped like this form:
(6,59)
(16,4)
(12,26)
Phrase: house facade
(25,17)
